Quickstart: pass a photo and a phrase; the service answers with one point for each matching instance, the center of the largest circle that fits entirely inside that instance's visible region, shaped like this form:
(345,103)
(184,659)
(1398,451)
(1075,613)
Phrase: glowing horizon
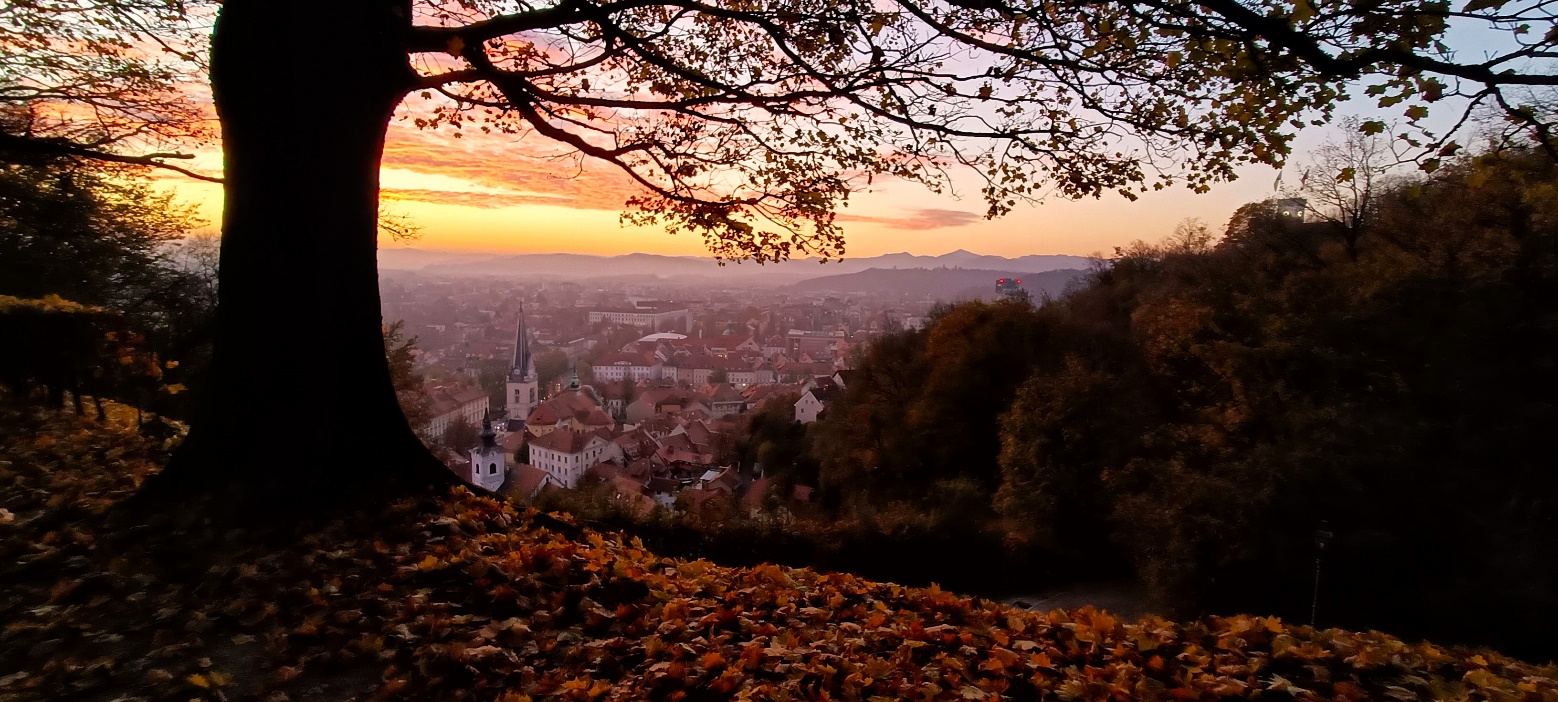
(503,195)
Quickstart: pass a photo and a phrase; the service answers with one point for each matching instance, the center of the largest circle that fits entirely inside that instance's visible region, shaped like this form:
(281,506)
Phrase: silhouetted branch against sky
(108,80)
(750,122)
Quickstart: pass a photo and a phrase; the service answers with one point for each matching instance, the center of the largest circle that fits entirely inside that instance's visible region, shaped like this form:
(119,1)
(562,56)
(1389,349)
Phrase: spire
(488,437)
(523,366)
(574,383)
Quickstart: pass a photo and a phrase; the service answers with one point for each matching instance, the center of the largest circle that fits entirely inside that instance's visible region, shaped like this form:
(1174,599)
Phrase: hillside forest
(1196,411)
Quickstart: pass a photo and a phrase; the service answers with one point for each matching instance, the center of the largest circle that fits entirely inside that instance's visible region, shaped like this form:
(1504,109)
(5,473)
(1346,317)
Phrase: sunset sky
(502,194)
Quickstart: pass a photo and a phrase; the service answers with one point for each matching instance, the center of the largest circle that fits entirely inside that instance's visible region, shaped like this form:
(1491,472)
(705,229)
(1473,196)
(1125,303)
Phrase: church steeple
(523,385)
(489,468)
(523,367)
(489,438)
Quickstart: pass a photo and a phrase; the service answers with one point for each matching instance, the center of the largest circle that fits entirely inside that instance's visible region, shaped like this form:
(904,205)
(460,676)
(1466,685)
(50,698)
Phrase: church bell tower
(488,467)
(523,385)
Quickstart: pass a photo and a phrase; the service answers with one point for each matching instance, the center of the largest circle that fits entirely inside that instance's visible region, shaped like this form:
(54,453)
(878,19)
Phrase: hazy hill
(579,266)
(939,283)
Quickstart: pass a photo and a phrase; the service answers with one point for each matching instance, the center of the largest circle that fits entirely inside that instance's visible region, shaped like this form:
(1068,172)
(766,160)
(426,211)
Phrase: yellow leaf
(198,680)
(428,563)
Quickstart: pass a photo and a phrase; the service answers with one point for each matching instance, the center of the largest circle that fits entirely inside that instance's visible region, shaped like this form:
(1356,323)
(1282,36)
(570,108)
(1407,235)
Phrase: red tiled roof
(448,398)
(526,478)
(755,492)
(564,440)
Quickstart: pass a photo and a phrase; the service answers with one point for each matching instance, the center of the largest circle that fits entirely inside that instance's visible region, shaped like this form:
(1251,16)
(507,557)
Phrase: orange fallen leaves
(529,613)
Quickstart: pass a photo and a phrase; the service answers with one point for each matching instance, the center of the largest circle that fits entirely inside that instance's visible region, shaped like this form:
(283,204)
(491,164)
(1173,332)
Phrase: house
(748,377)
(724,399)
(633,495)
(452,403)
(631,367)
(796,371)
(615,395)
(526,481)
(661,400)
(756,493)
(513,444)
(576,409)
(816,400)
(663,490)
(565,454)
(721,345)
(758,396)
(720,480)
(654,315)
(636,444)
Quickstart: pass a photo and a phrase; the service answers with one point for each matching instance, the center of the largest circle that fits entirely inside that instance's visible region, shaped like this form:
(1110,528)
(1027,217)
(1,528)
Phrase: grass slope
(467,597)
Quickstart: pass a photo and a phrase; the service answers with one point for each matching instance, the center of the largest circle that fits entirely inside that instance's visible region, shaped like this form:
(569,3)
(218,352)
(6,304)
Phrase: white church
(488,467)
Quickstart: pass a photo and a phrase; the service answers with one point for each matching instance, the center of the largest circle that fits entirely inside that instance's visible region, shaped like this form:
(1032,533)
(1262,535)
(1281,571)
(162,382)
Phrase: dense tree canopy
(1201,406)
(94,237)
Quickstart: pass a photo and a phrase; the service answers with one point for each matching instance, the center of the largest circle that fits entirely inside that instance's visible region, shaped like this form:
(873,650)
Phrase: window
(492,468)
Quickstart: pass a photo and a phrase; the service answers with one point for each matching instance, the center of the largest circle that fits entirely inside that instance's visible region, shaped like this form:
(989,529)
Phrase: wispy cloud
(481,199)
(920,219)
(499,171)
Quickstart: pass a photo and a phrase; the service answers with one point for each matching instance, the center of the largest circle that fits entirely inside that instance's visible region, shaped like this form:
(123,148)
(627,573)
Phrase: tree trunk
(299,400)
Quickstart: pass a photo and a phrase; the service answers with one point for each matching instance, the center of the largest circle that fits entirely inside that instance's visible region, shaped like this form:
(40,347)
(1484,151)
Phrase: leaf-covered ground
(468,597)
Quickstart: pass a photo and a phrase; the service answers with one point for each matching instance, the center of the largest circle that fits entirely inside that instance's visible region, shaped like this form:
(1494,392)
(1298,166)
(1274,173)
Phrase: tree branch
(11,144)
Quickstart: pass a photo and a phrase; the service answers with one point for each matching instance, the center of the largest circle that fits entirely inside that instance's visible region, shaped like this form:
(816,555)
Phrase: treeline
(104,290)
(1202,409)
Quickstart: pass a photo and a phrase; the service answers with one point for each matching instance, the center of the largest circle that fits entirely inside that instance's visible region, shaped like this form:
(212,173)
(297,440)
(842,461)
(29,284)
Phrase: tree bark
(299,400)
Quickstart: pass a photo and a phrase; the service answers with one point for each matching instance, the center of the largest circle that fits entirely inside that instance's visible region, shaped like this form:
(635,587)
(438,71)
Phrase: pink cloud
(920,219)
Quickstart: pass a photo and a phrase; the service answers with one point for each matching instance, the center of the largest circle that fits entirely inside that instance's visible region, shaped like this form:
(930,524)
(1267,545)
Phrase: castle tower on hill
(523,384)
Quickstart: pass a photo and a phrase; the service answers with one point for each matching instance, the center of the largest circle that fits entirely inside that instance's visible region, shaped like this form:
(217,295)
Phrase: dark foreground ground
(467,597)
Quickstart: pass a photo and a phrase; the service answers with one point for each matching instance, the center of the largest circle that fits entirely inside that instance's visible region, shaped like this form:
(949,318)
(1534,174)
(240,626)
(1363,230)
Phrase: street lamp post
(1323,537)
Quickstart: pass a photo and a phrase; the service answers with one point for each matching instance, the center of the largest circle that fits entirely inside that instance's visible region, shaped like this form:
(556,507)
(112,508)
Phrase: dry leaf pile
(468,597)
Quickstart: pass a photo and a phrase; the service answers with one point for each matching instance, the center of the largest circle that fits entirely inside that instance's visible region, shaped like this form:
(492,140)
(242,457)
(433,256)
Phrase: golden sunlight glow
(489,195)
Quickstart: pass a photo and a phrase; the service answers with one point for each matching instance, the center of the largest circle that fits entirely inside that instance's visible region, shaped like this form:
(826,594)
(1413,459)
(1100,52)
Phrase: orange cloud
(505,169)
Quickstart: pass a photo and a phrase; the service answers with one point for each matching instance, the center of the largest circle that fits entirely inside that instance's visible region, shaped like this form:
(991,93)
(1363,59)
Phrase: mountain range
(639,265)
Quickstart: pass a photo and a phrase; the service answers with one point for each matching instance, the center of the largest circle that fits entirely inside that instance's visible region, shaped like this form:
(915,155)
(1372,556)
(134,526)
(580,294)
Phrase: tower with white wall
(488,467)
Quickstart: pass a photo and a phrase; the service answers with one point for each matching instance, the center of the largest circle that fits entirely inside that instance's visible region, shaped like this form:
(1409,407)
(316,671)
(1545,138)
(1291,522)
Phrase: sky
(504,195)
(507,194)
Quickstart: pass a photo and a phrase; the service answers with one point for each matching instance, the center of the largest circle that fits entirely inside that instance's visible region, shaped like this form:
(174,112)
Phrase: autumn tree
(401,352)
(101,80)
(550,366)
(747,124)
(1344,179)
